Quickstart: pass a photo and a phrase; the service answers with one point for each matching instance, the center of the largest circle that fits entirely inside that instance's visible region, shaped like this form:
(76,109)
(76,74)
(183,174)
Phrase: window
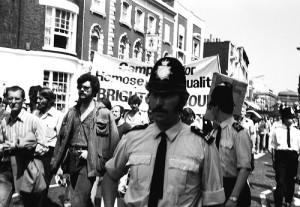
(196,48)
(96,40)
(139,20)
(60,30)
(167,33)
(151,25)
(125,13)
(98,6)
(137,50)
(181,35)
(150,57)
(166,54)
(123,47)
(60,85)
(181,57)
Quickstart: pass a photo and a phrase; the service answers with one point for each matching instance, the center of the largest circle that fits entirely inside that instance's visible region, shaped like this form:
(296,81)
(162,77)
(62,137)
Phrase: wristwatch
(233,198)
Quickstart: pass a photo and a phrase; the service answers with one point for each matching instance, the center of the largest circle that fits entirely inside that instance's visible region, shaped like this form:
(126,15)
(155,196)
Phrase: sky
(269,31)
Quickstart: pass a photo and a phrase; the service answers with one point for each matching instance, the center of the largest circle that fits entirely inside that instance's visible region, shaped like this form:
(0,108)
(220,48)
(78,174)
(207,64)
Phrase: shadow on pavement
(260,186)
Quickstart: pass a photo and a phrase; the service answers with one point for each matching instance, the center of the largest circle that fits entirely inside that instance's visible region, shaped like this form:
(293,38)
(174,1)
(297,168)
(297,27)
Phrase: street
(262,182)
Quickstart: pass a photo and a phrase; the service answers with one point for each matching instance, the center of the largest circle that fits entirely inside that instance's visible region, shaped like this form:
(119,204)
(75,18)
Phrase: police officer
(171,163)
(234,145)
(286,146)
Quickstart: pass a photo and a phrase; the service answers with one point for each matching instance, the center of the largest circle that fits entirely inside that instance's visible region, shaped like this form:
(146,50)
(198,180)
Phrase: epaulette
(207,137)
(138,127)
(237,126)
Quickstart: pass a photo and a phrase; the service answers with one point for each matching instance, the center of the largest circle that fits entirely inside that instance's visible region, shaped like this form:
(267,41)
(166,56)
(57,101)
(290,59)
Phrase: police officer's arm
(243,150)
(212,180)
(116,168)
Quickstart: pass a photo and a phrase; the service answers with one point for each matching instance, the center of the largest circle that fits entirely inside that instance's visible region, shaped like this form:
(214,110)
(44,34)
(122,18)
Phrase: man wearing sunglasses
(87,139)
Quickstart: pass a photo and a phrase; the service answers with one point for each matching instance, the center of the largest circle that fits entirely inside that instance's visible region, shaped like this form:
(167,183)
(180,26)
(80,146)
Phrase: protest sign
(119,79)
(239,90)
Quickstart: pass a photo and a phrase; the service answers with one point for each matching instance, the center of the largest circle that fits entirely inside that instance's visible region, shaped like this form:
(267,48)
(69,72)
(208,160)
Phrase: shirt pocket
(140,170)
(50,132)
(102,127)
(183,176)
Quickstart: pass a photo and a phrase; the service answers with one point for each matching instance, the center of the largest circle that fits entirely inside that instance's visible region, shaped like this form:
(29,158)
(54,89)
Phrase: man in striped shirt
(22,138)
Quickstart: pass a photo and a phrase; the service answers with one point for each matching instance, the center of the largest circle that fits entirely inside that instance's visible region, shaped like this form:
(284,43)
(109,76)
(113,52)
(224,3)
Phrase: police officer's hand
(83,154)
(230,203)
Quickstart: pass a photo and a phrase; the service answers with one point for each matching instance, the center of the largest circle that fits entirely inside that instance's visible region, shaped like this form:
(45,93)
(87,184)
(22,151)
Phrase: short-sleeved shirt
(139,118)
(235,148)
(279,138)
(192,170)
(52,121)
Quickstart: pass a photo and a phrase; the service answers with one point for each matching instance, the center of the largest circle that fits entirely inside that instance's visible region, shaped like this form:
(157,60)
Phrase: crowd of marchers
(167,156)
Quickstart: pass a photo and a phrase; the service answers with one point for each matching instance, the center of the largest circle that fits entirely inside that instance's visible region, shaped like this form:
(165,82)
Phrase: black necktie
(218,136)
(288,137)
(157,182)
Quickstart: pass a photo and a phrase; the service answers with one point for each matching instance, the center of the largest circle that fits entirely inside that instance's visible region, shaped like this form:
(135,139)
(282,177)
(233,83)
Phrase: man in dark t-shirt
(123,127)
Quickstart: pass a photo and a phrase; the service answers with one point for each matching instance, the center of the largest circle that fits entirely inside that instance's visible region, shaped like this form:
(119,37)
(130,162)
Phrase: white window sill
(139,29)
(47,47)
(125,23)
(96,11)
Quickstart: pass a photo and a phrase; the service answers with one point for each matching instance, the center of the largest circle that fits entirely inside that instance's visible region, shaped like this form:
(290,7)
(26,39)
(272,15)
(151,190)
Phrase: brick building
(51,43)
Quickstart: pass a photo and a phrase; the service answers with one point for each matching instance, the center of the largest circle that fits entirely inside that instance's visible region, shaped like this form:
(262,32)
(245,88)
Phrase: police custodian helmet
(287,113)
(167,75)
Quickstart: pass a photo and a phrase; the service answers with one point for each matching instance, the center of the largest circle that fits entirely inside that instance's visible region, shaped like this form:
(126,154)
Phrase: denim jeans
(81,183)
(6,184)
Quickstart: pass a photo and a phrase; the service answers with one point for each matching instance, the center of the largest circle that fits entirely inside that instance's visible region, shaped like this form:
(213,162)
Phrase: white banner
(119,79)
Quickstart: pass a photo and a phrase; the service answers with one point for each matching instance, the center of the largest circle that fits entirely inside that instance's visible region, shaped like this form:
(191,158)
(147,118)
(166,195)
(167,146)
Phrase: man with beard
(52,120)
(171,163)
(123,127)
(88,137)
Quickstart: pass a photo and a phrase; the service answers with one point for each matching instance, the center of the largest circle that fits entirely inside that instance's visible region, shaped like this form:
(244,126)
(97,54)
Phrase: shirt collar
(50,112)
(173,131)
(20,116)
(227,122)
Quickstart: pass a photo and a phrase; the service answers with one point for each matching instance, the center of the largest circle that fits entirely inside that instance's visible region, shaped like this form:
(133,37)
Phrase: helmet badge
(164,71)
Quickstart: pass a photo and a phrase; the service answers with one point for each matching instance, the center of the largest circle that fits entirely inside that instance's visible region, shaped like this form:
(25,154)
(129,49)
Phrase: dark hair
(16,88)
(106,103)
(93,80)
(187,112)
(222,97)
(48,94)
(134,99)
(183,97)
(122,110)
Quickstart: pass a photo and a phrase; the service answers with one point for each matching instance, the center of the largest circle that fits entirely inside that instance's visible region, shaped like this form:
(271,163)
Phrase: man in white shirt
(51,119)
(285,149)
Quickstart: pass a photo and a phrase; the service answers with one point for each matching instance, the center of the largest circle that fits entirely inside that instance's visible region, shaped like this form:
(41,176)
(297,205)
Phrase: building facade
(51,43)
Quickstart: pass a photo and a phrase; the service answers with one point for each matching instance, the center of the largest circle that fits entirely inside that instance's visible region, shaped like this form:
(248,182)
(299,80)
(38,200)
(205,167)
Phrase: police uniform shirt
(279,138)
(192,169)
(235,148)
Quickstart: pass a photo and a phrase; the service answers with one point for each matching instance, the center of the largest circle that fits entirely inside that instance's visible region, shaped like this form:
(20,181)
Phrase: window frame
(139,27)
(50,27)
(125,53)
(167,30)
(149,29)
(52,84)
(126,21)
(140,52)
(99,9)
